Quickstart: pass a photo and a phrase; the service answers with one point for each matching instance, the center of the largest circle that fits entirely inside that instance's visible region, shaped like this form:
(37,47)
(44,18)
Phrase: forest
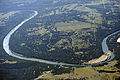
(68,31)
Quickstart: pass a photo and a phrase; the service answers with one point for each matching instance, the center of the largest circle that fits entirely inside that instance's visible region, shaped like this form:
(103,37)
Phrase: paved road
(8,51)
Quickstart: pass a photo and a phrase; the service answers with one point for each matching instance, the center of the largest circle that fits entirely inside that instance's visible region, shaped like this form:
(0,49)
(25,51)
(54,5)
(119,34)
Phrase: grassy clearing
(93,16)
(118,5)
(73,25)
(5,17)
(10,62)
(4,61)
(108,67)
(65,43)
(77,39)
(98,2)
(37,31)
(85,73)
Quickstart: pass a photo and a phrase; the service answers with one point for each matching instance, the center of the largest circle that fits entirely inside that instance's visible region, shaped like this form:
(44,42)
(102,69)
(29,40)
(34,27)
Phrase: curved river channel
(9,52)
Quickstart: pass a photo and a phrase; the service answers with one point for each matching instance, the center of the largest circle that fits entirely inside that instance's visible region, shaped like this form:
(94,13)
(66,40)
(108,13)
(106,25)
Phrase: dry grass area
(5,17)
(73,25)
(10,62)
(98,2)
(37,31)
(93,16)
(83,73)
(7,62)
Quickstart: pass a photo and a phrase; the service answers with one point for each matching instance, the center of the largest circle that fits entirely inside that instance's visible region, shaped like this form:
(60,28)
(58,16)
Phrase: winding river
(105,48)
(6,41)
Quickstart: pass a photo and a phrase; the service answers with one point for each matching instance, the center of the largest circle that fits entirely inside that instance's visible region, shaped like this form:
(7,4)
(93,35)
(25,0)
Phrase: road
(6,41)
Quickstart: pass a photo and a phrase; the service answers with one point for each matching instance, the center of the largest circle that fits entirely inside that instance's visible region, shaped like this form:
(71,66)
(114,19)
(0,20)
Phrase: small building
(118,40)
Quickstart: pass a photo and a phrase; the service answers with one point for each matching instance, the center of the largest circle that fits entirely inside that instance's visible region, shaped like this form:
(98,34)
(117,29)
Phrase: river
(6,41)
